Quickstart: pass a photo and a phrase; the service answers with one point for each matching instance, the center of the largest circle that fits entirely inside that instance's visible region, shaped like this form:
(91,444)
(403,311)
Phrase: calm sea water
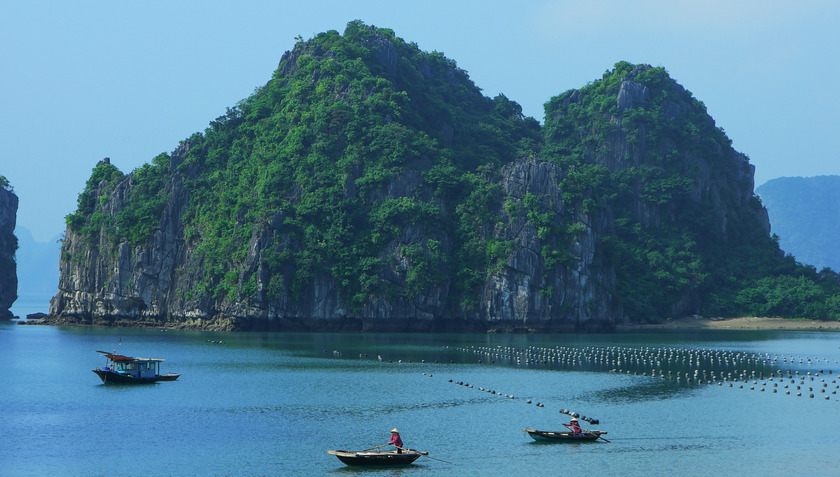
(28,303)
(274,403)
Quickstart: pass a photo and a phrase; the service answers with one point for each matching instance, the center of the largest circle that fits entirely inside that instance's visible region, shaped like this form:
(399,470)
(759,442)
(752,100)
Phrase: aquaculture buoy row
(642,356)
(689,364)
(527,401)
(823,389)
(683,366)
(677,365)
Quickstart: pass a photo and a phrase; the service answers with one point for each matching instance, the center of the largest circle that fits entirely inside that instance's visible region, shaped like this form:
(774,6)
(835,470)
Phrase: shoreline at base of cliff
(687,323)
(740,323)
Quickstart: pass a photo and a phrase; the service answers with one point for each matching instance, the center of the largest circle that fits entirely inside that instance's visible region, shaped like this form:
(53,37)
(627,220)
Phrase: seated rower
(574,426)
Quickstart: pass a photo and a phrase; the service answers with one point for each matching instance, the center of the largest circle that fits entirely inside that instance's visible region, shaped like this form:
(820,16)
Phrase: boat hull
(552,436)
(378,458)
(110,377)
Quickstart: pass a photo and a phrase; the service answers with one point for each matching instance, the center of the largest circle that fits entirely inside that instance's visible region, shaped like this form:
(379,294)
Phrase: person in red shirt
(574,426)
(395,440)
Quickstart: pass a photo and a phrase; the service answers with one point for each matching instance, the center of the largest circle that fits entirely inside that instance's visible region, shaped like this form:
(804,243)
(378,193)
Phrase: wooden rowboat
(564,436)
(377,457)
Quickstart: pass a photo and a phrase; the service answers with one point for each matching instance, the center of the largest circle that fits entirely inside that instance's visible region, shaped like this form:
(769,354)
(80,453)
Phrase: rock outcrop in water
(8,246)
(370,186)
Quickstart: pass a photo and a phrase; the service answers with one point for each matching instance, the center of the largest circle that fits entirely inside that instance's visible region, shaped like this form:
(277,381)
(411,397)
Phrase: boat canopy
(119,357)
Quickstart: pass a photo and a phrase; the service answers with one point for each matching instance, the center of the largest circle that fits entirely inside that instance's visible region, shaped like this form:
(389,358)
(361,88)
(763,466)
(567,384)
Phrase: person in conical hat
(574,426)
(396,441)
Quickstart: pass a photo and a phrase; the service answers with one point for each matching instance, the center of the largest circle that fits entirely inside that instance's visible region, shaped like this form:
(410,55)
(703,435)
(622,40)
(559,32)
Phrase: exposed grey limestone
(528,292)
(561,283)
(8,246)
(158,284)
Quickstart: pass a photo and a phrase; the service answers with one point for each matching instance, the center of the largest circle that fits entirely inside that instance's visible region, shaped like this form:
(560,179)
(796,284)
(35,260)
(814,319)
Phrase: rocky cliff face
(531,292)
(682,180)
(398,232)
(382,191)
(155,285)
(8,246)
(719,175)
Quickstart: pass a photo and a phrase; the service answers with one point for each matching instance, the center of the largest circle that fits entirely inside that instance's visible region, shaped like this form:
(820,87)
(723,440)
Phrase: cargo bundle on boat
(132,370)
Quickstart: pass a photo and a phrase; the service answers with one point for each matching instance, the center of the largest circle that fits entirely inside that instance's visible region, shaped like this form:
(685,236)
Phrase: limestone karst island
(370,185)
(8,246)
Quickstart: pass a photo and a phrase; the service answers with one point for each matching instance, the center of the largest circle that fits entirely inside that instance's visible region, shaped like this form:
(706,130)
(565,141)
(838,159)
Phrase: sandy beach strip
(742,323)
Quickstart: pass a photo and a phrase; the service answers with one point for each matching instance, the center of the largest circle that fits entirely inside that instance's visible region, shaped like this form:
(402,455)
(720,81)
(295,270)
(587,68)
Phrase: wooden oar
(426,454)
(599,434)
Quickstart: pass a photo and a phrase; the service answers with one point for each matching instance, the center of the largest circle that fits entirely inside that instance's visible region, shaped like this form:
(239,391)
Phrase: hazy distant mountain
(805,214)
(37,264)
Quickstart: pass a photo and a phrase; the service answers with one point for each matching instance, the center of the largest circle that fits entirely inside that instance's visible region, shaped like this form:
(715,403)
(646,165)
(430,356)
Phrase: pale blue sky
(87,79)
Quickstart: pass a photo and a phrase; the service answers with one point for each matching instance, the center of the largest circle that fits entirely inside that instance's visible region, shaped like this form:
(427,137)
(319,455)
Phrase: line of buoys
(682,366)
(527,400)
(578,416)
(534,355)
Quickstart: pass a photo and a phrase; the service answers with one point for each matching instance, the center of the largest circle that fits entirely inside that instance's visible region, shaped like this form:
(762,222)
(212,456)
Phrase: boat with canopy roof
(121,369)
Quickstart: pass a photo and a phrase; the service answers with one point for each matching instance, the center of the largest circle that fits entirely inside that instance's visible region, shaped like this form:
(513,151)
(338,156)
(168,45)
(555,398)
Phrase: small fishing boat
(377,457)
(126,369)
(564,436)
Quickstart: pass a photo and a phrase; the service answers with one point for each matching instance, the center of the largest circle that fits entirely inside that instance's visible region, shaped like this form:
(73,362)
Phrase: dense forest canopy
(320,154)
(335,116)
(722,260)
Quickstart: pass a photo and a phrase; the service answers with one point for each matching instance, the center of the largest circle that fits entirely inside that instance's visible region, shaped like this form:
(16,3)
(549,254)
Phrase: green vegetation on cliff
(310,152)
(685,237)
(364,158)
